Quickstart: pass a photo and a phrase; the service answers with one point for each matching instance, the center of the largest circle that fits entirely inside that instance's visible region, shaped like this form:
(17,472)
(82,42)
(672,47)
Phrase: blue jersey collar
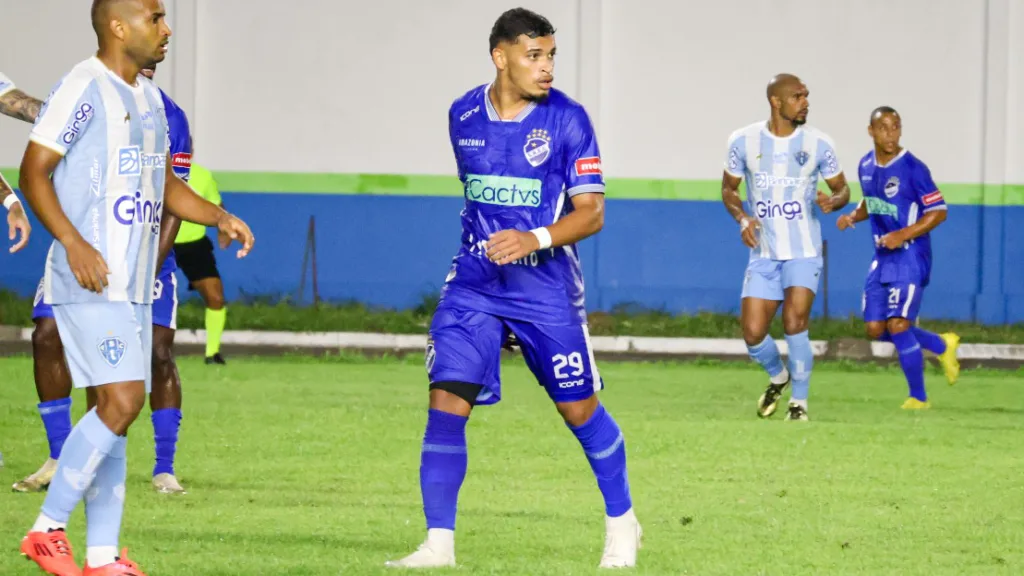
(890,162)
(492,114)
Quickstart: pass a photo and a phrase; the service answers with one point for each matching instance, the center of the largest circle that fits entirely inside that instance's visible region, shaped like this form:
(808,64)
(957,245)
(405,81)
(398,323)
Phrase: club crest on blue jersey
(538,147)
(112,349)
(802,157)
(892,187)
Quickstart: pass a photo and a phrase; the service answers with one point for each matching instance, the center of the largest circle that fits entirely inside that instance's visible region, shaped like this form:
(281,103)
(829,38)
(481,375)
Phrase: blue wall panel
(673,255)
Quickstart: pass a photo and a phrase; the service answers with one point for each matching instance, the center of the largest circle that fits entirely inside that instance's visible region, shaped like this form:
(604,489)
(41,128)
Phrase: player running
(782,160)
(16,104)
(904,206)
(53,382)
(530,165)
(103,136)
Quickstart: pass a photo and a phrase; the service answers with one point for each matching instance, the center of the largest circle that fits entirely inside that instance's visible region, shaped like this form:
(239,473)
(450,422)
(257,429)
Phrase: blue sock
(930,341)
(166,423)
(885,337)
(87,446)
(104,502)
(912,361)
(801,362)
(442,467)
(56,415)
(605,448)
(767,355)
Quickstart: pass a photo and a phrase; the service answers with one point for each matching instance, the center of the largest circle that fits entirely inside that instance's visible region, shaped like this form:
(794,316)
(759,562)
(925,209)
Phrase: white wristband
(543,236)
(10,201)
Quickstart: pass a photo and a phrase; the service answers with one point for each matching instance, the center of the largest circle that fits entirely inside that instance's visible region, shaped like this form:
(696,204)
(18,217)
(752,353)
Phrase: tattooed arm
(17,104)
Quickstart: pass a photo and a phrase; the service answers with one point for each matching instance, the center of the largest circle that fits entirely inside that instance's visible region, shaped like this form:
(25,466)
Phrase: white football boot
(438,550)
(622,539)
(39,481)
(167,484)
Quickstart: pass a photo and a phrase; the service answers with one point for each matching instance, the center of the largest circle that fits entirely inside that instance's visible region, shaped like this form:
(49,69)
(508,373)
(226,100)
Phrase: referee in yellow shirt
(194,251)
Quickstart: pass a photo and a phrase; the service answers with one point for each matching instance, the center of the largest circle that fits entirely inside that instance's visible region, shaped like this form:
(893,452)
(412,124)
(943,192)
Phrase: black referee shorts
(196,260)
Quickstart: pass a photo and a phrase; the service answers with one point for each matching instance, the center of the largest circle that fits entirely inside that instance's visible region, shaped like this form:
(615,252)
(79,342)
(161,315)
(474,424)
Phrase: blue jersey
(896,196)
(113,140)
(520,174)
(181,157)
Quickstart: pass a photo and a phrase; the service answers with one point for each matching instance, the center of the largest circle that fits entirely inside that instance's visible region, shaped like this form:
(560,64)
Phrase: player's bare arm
(734,204)
(840,194)
(182,201)
(586,219)
(926,224)
(169,226)
(858,214)
(86,262)
(17,104)
(17,220)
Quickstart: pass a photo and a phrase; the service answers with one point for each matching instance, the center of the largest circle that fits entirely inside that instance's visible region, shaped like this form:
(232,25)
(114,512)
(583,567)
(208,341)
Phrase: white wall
(1014,163)
(682,79)
(346,86)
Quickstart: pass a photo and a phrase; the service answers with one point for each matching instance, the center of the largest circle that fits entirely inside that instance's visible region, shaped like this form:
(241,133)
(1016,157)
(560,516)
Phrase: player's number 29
(561,362)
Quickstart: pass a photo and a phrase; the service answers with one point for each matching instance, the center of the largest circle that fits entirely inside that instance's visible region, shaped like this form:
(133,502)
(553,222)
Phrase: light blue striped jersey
(110,182)
(782,182)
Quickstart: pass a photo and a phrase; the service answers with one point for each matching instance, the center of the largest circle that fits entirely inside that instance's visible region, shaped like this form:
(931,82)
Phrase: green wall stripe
(618,188)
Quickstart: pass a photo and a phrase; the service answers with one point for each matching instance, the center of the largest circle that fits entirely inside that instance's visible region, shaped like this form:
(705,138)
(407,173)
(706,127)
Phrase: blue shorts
(165,302)
(465,346)
(768,279)
(884,300)
(106,342)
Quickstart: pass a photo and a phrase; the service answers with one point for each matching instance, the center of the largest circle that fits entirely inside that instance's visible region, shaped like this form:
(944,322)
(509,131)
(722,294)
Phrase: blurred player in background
(52,379)
(781,160)
(16,104)
(904,206)
(196,259)
(530,165)
(21,106)
(103,137)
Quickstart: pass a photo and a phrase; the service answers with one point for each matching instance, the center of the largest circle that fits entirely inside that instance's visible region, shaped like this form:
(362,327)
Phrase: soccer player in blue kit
(782,160)
(904,205)
(531,169)
(52,379)
(103,137)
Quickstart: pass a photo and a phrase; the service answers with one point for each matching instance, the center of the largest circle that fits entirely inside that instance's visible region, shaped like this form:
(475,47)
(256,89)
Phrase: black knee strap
(464,390)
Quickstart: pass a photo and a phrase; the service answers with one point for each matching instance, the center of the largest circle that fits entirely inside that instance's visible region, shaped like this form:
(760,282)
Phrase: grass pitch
(298,466)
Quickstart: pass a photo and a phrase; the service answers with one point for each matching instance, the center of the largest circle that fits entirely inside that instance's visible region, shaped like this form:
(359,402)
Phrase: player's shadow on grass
(994,410)
(294,535)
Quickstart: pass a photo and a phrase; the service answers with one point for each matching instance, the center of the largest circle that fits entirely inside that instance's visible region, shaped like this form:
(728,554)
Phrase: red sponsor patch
(181,160)
(934,197)
(588,166)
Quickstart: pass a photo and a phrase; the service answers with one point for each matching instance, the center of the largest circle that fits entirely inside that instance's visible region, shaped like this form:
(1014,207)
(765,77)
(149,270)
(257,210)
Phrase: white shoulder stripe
(61,106)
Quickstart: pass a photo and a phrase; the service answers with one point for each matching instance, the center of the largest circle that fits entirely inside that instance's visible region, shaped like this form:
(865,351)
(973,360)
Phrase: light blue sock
(767,355)
(801,361)
(80,459)
(104,502)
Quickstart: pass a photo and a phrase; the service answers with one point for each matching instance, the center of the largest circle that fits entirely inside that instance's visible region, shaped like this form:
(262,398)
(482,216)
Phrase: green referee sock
(215,320)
